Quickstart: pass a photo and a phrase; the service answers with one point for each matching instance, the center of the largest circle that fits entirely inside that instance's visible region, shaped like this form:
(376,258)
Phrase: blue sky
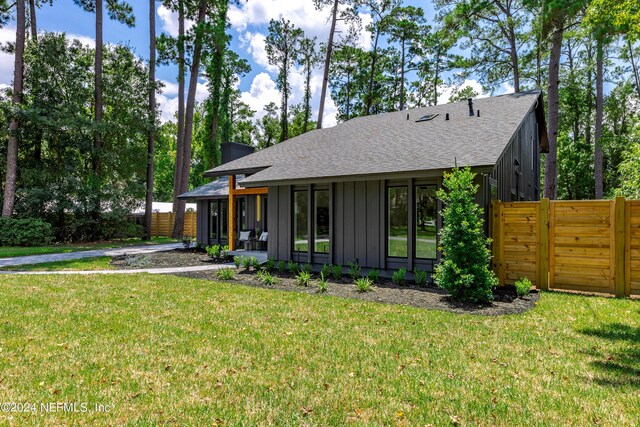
(248,22)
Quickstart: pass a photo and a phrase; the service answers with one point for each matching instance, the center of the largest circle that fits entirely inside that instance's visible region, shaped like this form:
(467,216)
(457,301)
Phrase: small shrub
(270,265)
(336,272)
(254,263)
(303,278)
(399,276)
(420,277)
(137,261)
(237,261)
(374,275)
(225,274)
(246,262)
(266,278)
(523,286)
(293,267)
(306,268)
(363,284)
(187,241)
(25,232)
(326,270)
(323,284)
(354,270)
(282,266)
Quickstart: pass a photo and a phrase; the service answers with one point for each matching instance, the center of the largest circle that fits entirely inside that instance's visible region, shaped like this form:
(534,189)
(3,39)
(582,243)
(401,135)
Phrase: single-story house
(365,190)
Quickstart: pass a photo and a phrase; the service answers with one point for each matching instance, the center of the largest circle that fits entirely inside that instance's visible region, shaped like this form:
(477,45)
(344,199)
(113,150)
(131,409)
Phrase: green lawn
(163,350)
(94,263)
(14,251)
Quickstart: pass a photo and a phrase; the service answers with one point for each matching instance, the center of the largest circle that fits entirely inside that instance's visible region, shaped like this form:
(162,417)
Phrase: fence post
(543,252)
(619,240)
(627,248)
(495,236)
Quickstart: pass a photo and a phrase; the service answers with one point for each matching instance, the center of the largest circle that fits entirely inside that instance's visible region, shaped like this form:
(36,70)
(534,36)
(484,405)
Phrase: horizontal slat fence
(591,246)
(162,223)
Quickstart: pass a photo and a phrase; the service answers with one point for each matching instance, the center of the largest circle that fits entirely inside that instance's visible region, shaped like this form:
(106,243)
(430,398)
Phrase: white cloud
(169,20)
(7,34)
(262,92)
(168,99)
(256,43)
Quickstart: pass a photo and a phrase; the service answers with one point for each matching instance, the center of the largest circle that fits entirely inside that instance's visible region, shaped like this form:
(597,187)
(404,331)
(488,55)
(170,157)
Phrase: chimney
(233,150)
(470,100)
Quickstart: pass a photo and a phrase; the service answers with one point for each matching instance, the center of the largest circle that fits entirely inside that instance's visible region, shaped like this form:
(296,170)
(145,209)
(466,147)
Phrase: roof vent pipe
(478,113)
(407,116)
(446,117)
(470,107)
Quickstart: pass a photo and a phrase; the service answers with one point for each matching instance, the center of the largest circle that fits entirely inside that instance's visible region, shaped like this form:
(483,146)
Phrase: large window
(242,212)
(321,221)
(213,219)
(398,220)
(300,221)
(426,208)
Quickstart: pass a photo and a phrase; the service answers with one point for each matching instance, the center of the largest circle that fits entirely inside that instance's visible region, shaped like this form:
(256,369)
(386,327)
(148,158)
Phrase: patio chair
(262,241)
(245,239)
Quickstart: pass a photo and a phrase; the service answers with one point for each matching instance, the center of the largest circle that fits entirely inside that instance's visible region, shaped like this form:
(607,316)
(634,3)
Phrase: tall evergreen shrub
(464,269)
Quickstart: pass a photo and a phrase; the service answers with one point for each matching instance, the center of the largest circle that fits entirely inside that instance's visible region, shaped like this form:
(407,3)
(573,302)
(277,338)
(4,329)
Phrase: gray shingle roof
(389,143)
(216,188)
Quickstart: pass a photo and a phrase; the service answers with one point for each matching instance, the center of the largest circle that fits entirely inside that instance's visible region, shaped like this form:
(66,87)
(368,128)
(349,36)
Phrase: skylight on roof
(427,117)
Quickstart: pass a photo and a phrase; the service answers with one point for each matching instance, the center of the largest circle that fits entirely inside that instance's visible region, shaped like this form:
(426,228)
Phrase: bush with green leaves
(25,232)
(464,268)
(303,278)
(254,263)
(374,275)
(269,265)
(336,272)
(523,286)
(364,284)
(399,276)
(354,270)
(225,274)
(323,283)
(282,266)
(306,267)
(246,262)
(325,270)
(266,278)
(293,267)
(237,261)
(420,277)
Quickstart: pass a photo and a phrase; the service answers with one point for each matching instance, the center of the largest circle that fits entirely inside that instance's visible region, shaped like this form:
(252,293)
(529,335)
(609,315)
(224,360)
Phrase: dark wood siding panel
(284,222)
(373,225)
(338,223)
(272,218)
(349,223)
(360,220)
(202,224)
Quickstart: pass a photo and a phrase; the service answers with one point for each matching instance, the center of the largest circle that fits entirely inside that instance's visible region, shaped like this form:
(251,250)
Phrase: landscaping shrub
(326,270)
(237,261)
(293,267)
(25,232)
(266,278)
(354,270)
(464,269)
(225,274)
(336,272)
(306,268)
(254,263)
(246,262)
(364,284)
(523,286)
(303,278)
(374,275)
(282,266)
(323,284)
(399,276)
(270,265)
(420,277)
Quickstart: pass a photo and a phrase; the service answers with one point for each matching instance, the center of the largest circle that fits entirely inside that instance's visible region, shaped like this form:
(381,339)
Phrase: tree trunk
(514,62)
(372,73)
(32,20)
(402,78)
(436,76)
(178,227)
(148,208)
(634,67)
(216,89)
(327,61)
(284,119)
(307,97)
(598,125)
(12,146)
(96,161)
(177,176)
(551,167)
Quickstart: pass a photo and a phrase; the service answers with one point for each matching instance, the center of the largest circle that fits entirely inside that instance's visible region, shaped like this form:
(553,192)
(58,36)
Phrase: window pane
(397,221)
(300,216)
(321,221)
(242,211)
(224,220)
(213,219)
(426,208)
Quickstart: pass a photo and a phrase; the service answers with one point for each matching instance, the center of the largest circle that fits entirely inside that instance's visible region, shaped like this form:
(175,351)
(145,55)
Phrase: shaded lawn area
(14,251)
(171,350)
(94,263)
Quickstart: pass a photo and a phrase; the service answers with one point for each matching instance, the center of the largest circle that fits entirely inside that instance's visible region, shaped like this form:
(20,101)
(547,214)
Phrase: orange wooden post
(232,212)
(543,241)
(627,248)
(618,246)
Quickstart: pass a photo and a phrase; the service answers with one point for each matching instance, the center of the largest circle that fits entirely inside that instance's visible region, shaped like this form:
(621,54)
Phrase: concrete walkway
(130,250)
(167,270)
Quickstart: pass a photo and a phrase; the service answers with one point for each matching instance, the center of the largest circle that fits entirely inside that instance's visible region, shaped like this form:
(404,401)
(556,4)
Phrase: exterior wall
(202,231)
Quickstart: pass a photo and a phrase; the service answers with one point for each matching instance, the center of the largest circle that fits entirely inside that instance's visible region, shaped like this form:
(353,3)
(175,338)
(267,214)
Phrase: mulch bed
(430,297)
(174,258)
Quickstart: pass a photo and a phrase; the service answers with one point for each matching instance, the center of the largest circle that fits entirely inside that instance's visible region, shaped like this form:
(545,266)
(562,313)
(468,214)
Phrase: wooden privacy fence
(162,223)
(591,246)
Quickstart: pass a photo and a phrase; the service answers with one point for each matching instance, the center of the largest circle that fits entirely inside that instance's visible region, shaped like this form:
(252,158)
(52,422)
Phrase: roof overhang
(217,172)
